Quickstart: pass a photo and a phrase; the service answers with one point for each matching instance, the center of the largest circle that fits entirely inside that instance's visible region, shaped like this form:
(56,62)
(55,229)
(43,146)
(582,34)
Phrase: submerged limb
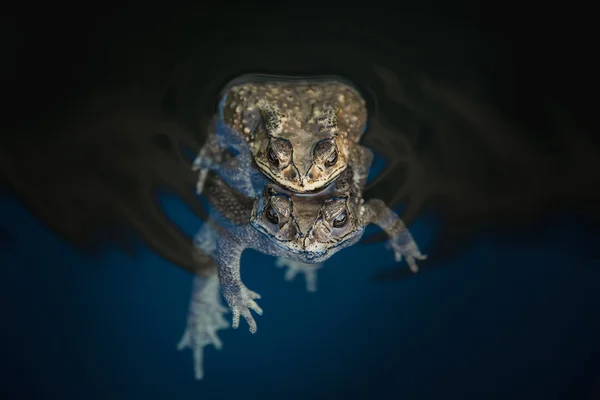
(205,318)
(210,155)
(401,241)
(235,170)
(239,298)
(238,172)
(294,267)
(363,159)
(206,240)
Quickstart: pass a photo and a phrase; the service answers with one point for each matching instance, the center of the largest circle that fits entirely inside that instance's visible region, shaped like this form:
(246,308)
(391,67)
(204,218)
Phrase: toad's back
(298,102)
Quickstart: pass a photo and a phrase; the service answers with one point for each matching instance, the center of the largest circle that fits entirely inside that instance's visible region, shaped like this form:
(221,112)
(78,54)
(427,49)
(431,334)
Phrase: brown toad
(300,133)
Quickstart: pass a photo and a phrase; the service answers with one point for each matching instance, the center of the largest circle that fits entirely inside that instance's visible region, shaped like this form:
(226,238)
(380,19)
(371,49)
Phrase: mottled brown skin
(300,133)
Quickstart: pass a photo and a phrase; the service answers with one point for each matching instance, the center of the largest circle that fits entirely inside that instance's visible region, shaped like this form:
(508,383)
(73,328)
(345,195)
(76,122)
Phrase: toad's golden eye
(332,159)
(273,159)
(341,220)
(271,215)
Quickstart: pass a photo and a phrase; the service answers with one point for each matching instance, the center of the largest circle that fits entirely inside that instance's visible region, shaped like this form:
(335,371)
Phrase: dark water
(485,148)
(500,320)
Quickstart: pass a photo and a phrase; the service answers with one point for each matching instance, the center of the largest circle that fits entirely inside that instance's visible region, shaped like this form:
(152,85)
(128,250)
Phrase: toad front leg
(377,212)
(239,298)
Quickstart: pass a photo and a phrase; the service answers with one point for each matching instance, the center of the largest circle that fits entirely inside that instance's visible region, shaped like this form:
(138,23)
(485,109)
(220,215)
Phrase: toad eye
(271,215)
(332,159)
(341,220)
(326,152)
(272,157)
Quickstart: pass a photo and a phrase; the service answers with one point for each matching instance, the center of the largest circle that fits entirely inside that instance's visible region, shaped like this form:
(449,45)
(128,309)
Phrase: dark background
(481,115)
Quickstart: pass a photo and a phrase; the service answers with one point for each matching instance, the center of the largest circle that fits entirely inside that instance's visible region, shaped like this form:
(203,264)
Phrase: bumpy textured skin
(295,105)
(312,126)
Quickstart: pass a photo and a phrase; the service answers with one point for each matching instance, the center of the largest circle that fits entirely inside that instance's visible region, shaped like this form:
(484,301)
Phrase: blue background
(512,317)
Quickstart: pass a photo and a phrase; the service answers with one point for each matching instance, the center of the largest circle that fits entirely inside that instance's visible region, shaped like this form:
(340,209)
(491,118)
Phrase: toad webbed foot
(405,246)
(205,318)
(241,300)
(309,271)
(401,241)
(201,333)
